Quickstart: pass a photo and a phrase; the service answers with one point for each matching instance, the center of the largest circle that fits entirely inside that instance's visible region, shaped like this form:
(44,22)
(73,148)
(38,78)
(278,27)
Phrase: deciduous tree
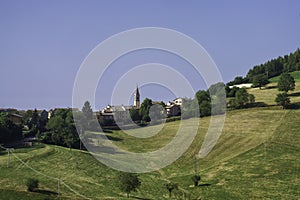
(283,100)
(128,182)
(144,110)
(242,99)
(286,82)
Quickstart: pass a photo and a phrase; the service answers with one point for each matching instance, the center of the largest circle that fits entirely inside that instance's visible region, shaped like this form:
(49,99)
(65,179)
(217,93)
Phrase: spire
(137,93)
(136,101)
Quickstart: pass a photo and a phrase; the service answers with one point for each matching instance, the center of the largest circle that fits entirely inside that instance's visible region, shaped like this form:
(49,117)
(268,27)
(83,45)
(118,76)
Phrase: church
(120,113)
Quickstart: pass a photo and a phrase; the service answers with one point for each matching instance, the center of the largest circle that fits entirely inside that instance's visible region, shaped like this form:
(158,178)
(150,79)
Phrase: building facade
(173,108)
(120,114)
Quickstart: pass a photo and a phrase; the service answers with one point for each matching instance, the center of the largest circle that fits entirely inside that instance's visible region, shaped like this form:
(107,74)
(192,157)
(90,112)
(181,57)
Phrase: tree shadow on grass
(256,104)
(101,136)
(46,192)
(98,143)
(204,185)
(107,131)
(294,106)
(271,87)
(134,197)
(113,138)
(296,94)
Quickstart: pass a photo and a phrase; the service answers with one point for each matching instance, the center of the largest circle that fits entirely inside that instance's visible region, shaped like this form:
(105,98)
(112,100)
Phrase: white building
(244,85)
(173,108)
(111,114)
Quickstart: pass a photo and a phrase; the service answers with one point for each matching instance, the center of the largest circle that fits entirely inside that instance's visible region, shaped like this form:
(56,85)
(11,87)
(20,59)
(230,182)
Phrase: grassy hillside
(295,74)
(256,157)
(248,143)
(268,94)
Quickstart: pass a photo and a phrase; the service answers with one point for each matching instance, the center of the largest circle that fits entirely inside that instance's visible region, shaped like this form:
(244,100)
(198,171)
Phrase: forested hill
(271,68)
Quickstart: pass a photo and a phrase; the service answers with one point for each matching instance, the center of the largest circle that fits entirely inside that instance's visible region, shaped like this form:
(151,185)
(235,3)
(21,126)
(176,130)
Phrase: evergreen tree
(34,121)
(87,110)
(275,67)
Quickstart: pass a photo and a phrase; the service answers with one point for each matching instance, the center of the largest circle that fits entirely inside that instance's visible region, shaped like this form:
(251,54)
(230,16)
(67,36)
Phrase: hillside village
(105,116)
(258,76)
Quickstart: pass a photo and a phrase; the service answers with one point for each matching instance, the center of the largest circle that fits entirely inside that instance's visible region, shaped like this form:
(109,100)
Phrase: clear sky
(43,43)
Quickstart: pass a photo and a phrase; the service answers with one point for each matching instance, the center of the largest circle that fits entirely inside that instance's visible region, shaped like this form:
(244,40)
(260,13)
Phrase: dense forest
(271,68)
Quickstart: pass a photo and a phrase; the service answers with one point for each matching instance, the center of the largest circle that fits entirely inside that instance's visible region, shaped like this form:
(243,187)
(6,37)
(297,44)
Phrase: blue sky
(43,43)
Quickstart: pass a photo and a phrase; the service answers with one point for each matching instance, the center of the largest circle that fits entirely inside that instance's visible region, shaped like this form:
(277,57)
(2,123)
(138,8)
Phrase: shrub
(32,184)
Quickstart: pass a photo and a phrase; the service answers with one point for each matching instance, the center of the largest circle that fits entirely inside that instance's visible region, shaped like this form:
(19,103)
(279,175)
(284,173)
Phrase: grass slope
(270,171)
(268,94)
(244,130)
(295,74)
(256,157)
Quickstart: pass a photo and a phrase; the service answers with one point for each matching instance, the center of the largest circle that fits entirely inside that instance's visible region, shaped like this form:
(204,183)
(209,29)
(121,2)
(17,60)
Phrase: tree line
(60,128)
(269,69)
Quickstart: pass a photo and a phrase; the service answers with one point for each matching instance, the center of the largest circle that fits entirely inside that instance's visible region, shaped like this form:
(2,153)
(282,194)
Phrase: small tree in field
(128,182)
(32,184)
(170,187)
(286,82)
(283,100)
(196,179)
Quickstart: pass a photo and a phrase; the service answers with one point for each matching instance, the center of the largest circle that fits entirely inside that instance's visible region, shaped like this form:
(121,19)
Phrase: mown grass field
(256,157)
(268,94)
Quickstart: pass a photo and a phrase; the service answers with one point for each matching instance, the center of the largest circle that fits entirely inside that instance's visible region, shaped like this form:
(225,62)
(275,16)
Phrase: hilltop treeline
(271,68)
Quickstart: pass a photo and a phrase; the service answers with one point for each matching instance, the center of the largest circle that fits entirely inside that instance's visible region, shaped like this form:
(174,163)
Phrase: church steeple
(136,101)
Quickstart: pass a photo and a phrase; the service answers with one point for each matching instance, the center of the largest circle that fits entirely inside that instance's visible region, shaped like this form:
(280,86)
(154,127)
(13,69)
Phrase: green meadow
(256,157)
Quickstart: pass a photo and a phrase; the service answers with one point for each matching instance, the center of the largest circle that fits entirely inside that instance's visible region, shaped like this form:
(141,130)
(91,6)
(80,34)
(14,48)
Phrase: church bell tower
(136,101)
